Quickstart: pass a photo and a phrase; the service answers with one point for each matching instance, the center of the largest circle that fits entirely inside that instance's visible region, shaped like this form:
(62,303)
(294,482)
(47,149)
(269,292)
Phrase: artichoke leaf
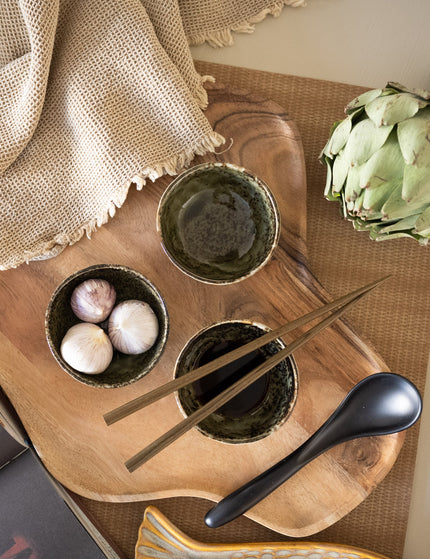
(405,224)
(340,172)
(363,99)
(344,208)
(375,198)
(352,186)
(328,190)
(338,138)
(384,165)
(327,148)
(416,184)
(422,226)
(348,206)
(391,109)
(356,114)
(376,236)
(365,139)
(358,205)
(422,93)
(360,225)
(369,216)
(363,225)
(414,139)
(397,208)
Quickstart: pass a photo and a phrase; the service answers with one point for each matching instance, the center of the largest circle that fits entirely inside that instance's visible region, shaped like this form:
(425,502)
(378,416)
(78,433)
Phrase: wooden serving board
(64,417)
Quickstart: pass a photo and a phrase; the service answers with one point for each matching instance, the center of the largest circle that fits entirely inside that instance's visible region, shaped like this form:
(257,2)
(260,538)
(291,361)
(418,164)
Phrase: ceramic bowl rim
(294,372)
(248,174)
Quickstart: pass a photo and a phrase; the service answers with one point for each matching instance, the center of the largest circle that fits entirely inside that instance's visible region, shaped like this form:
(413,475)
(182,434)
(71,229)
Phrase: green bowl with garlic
(123,367)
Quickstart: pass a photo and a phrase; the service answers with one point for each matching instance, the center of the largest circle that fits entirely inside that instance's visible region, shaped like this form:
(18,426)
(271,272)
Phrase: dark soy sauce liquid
(210,386)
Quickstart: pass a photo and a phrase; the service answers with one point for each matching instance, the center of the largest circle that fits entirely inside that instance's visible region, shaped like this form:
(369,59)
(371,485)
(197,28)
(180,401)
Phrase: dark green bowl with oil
(218,222)
(257,411)
(128,284)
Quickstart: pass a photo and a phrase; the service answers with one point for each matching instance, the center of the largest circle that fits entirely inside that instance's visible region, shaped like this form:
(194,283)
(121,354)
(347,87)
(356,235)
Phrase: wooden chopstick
(165,440)
(160,392)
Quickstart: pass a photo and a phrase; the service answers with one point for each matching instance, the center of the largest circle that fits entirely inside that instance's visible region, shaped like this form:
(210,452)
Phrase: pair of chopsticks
(165,440)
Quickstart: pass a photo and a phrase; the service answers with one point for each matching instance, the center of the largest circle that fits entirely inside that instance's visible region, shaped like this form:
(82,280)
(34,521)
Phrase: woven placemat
(342,259)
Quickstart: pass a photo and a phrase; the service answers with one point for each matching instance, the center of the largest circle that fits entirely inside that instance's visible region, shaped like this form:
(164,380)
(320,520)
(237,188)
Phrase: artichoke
(378,163)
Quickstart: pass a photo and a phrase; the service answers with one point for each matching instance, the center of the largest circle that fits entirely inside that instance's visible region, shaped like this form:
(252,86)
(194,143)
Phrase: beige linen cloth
(96,95)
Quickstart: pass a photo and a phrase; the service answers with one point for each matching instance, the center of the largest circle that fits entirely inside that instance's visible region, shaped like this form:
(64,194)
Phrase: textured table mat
(342,259)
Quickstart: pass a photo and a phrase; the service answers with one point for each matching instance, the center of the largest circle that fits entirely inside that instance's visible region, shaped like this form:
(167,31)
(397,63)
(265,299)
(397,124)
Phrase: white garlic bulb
(93,300)
(87,348)
(133,327)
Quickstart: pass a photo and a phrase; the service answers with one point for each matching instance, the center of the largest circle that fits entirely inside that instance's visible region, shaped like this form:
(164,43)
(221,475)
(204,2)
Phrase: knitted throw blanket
(94,96)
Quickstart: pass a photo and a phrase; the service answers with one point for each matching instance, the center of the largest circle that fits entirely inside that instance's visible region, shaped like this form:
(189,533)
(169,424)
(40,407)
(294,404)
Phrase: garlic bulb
(87,348)
(93,300)
(133,327)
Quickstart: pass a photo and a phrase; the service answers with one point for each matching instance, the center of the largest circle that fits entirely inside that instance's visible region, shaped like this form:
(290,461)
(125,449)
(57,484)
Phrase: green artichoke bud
(378,163)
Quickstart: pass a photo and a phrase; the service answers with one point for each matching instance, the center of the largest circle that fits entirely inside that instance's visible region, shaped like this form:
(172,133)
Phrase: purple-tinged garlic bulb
(93,300)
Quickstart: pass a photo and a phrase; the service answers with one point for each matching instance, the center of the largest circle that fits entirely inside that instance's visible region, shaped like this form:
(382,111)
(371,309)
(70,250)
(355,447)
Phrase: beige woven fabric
(95,96)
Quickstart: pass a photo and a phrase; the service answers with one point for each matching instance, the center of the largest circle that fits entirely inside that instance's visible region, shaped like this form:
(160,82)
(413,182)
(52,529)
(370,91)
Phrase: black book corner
(38,518)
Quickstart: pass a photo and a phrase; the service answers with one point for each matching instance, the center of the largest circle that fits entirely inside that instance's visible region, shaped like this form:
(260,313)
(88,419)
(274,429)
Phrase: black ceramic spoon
(380,404)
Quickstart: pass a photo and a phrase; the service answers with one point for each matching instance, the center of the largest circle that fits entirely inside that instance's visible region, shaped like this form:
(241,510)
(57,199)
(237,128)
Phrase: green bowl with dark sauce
(258,410)
(218,222)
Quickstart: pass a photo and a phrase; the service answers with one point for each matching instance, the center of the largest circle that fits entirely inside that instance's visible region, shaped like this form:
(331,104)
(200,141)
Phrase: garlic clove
(133,327)
(93,300)
(87,348)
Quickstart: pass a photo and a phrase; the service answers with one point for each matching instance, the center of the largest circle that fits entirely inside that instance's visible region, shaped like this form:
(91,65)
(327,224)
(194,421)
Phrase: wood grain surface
(64,417)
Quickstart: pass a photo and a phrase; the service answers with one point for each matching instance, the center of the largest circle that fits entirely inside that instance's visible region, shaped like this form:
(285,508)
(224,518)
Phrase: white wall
(361,42)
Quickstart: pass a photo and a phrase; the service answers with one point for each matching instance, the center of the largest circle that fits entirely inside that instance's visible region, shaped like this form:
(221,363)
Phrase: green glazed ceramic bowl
(258,410)
(218,223)
(129,284)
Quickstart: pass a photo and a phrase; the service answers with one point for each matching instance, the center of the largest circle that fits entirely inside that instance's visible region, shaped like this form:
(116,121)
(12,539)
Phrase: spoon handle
(258,488)
(380,404)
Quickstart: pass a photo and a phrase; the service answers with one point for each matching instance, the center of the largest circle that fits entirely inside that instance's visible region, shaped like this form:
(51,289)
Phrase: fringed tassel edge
(224,37)
(201,95)
(171,166)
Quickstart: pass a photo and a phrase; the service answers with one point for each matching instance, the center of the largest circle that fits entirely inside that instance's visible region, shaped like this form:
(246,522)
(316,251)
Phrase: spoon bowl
(380,404)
